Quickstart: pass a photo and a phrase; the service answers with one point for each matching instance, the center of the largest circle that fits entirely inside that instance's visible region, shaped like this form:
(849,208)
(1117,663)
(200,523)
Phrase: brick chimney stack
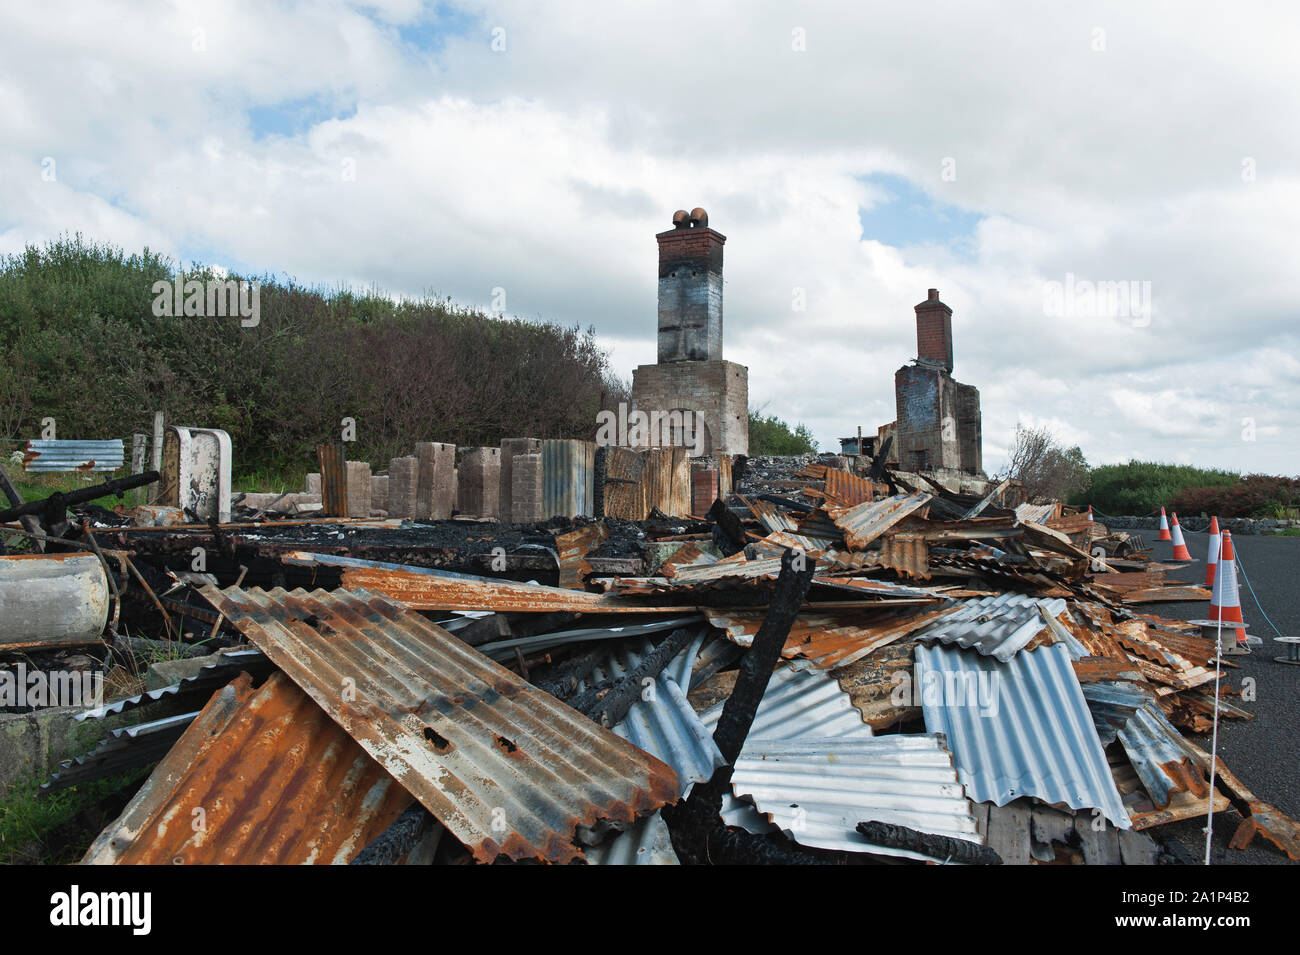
(934,332)
(690,289)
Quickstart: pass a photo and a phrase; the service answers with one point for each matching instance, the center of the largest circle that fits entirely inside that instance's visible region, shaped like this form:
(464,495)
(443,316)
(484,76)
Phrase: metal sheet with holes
(507,768)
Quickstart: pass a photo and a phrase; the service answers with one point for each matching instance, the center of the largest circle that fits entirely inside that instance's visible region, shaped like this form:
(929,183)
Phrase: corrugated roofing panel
(818,790)
(1162,759)
(797,704)
(995,626)
(260,777)
(665,725)
(48,456)
(507,768)
(866,522)
(1020,728)
(646,843)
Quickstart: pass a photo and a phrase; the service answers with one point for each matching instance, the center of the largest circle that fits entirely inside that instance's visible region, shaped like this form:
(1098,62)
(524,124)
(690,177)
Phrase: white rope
(1214,738)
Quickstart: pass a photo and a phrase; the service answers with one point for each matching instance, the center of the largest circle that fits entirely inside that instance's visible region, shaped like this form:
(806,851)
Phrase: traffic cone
(1164,527)
(1212,559)
(1225,602)
(1089,513)
(1180,546)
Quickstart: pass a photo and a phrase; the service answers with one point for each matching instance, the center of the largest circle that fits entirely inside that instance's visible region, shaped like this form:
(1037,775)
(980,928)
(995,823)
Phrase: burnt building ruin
(691,374)
(938,425)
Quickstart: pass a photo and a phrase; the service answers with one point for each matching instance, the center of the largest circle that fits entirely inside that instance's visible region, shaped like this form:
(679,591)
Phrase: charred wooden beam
(944,848)
(613,706)
(728,531)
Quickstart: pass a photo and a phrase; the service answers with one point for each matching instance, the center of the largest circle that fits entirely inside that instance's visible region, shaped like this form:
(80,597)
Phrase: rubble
(830,663)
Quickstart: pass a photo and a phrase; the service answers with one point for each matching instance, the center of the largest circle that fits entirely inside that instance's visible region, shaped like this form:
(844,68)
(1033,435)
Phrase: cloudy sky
(1008,154)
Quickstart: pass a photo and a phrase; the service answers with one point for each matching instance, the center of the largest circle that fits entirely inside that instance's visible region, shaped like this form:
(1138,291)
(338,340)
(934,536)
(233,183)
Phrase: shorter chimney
(934,332)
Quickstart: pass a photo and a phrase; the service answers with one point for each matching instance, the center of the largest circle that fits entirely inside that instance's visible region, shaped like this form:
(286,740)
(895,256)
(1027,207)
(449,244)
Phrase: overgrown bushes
(79,343)
(1143,487)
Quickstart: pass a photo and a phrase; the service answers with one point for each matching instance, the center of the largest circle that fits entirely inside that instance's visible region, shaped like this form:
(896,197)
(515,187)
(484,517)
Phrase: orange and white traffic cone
(1089,513)
(1212,559)
(1164,527)
(1180,546)
(1225,601)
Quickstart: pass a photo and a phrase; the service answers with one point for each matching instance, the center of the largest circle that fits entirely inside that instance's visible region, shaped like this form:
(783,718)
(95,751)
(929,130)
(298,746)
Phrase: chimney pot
(934,295)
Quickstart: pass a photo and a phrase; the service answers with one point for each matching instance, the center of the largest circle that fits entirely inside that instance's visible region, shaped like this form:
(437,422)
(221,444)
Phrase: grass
(56,828)
(271,480)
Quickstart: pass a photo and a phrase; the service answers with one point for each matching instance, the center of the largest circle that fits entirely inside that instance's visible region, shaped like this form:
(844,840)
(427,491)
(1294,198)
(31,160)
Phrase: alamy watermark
(214,298)
(22,688)
(951,688)
(1082,298)
(655,429)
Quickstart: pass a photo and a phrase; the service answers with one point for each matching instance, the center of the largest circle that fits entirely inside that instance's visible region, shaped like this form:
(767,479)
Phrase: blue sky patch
(910,216)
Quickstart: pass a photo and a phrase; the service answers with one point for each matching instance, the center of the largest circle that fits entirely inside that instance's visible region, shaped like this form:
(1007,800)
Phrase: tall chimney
(934,332)
(690,289)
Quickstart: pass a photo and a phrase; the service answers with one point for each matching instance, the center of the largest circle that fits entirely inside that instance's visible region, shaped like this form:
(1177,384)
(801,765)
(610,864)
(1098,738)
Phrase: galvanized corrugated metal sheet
(818,790)
(1020,728)
(1163,760)
(202,684)
(1037,513)
(665,725)
(261,776)
(123,749)
(998,626)
(568,472)
(866,522)
(507,768)
(797,704)
(505,649)
(646,843)
(50,456)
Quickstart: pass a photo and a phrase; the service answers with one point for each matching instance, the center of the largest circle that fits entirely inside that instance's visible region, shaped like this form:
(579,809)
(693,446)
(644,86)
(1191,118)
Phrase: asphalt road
(1264,753)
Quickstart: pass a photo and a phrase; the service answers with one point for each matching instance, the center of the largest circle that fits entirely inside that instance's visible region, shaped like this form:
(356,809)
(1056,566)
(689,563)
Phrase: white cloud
(547,168)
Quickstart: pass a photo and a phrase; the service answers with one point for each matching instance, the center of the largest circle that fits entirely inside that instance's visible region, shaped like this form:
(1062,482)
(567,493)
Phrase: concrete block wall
(403,480)
(526,489)
(509,448)
(716,391)
(358,488)
(379,492)
(479,477)
(436,489)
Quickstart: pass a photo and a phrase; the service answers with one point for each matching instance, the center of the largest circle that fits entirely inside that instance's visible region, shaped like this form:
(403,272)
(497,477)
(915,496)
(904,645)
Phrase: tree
(1048,471)
(772,436)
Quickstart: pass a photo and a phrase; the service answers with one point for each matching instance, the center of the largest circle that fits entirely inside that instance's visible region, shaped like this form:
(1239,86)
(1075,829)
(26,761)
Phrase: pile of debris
(858,669)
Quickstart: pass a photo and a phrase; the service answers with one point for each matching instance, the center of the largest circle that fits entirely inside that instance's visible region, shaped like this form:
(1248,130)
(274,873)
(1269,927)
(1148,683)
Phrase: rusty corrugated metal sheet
(260,777)
(572,549)
(333,480)
(667,477)
(507,768)
(424,589)
(625,490)
(905,554)
(866,522)
(724,475)
(832,638)
(846,489)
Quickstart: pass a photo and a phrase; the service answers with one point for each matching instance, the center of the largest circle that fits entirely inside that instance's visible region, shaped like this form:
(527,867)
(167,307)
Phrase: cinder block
(358,488)
(509,448)
(526,489)
(436,491)
(379,492)
(479,481)
(313,482)
(403,478)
